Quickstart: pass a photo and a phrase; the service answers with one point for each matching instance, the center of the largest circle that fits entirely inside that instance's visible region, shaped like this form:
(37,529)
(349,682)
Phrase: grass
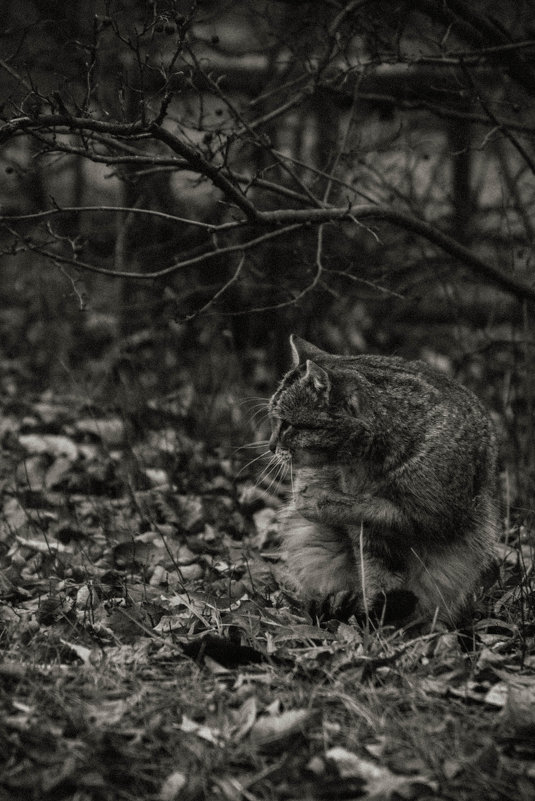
(148,651)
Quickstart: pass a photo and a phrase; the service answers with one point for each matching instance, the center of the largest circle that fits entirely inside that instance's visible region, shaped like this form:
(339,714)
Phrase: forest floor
(149,651)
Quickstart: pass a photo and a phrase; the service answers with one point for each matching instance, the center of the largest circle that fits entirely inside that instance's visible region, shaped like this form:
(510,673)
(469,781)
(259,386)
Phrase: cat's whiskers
(258,409)
(261,443)
(275,469)
(268,469)
(276,475)
(259,416)
(250,398)
(261,405)
(252,461)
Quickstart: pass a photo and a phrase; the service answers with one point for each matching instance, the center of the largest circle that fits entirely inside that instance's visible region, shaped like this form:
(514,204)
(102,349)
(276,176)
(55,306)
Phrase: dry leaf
(172,785)
(110,431)
(201,730)
(519,709)
(244,718)
(57,471)
(14,517)
(53,444)
(273,732)
(380,782)
(81,652)
(497,695)
(265,521)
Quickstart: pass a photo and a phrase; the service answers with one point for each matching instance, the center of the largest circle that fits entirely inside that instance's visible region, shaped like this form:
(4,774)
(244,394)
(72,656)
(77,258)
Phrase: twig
(503,128)
(132,131)
(38,215)
(220,292)
(151,276)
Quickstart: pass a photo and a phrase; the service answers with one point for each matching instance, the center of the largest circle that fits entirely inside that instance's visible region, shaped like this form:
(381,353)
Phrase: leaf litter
(151,647)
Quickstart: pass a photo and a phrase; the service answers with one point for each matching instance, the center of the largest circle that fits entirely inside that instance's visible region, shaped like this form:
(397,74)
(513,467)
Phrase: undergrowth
(149,648)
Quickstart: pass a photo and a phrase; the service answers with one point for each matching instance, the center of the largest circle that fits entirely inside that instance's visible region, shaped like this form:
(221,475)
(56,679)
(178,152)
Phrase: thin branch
(444,112)
(407,222)
(353,5)
(38,215)
(198,163)
(371,284)
(289,220)
(269,116)
(160,164)
(488,111)
(279,89)
(125,130)
(14,74)
(502,48)
(246,127)
(232,280)
(323,174)
(151,276)
(308,288)
(130,131)
(53,146)
(481,31)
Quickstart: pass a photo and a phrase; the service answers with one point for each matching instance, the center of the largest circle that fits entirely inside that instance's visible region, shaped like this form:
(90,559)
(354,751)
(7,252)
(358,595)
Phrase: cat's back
(411,384)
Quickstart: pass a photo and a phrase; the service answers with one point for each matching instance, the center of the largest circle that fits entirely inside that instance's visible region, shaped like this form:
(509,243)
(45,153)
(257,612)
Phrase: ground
(150,648)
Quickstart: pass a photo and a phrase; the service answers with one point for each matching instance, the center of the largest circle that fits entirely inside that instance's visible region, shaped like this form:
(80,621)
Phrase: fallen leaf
(244,718)
(201,730)
(519,708)
(380,782)
(157,477)
(265,521)
(273,732)
(451,768)
(53,444)
(57,471)
(81,652)
(110,431)
(14,517)
(497,695)
(132,555)
(46,547)
(192,515)
(172,785)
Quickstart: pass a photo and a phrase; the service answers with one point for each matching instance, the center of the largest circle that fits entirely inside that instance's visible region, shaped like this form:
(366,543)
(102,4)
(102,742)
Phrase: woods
(184,183)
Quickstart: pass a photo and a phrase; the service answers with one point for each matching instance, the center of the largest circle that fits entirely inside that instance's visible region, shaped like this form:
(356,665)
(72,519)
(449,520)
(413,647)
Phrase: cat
(393,470)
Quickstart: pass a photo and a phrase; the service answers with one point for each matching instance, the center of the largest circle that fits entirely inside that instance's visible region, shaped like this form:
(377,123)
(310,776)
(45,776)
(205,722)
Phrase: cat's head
(320,410)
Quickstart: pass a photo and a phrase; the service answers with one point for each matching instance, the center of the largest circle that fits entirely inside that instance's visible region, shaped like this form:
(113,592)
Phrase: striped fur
(394,483)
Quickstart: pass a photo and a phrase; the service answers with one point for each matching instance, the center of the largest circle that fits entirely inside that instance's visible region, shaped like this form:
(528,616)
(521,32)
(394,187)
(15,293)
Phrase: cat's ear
(318,377)
(303,350)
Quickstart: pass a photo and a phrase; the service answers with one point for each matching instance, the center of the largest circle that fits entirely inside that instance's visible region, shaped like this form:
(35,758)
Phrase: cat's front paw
(306,503)
(338,606)
(314,504)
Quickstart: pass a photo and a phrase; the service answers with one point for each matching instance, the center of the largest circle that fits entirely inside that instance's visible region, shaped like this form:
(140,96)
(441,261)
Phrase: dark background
(415,117)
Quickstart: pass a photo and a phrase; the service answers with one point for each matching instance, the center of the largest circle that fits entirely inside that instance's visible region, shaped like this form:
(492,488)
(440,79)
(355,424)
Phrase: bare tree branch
(289,220)
(39,215)
(132,131)
(166,271)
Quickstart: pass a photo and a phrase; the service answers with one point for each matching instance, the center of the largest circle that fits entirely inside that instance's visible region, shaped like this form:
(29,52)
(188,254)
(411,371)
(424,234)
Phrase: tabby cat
(393,469)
